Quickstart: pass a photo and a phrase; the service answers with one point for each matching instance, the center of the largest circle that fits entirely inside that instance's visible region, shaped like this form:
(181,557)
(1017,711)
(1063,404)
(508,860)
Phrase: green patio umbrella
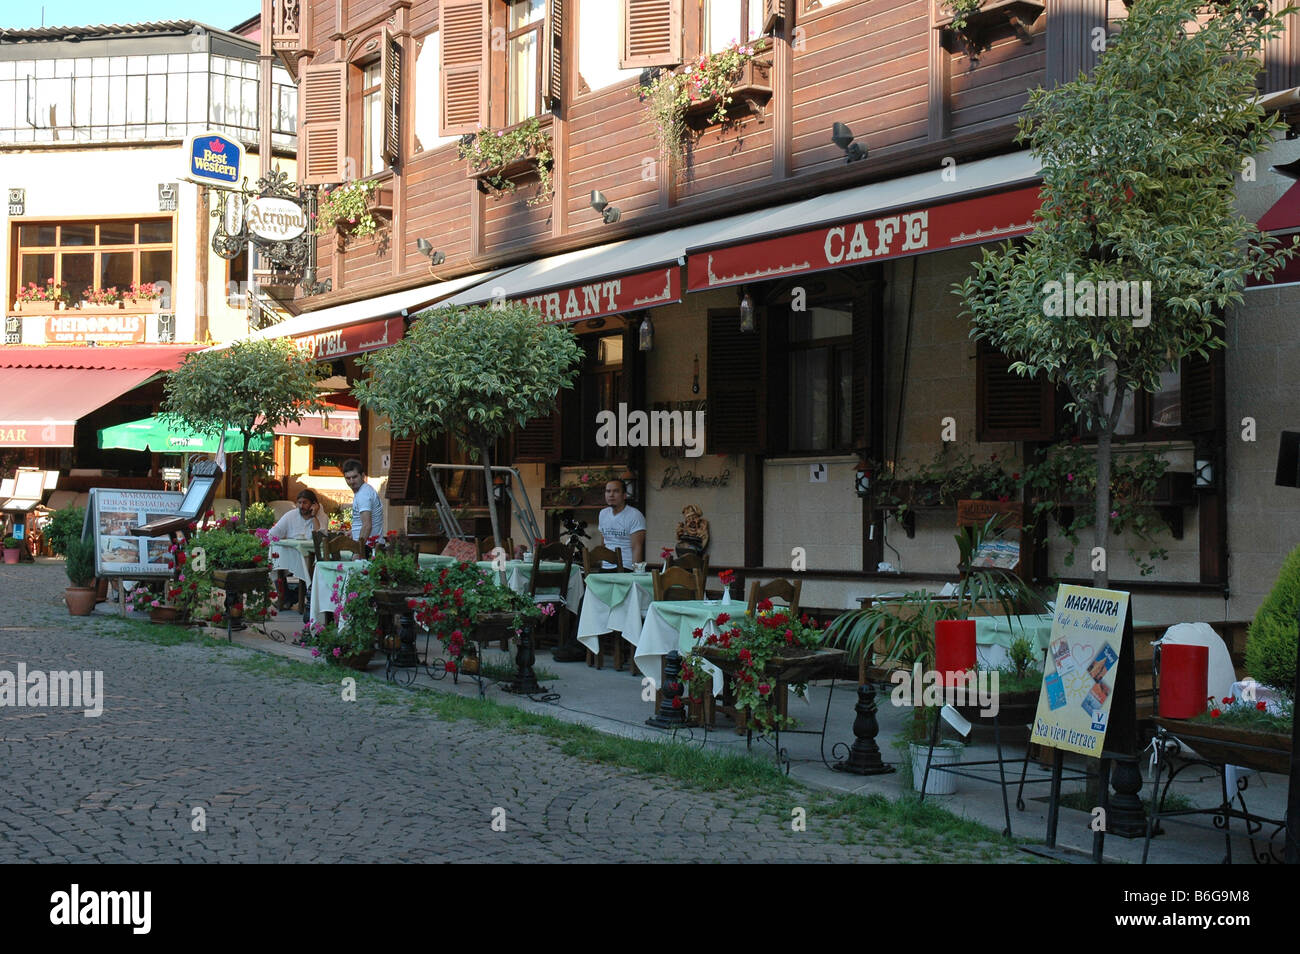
(154,434)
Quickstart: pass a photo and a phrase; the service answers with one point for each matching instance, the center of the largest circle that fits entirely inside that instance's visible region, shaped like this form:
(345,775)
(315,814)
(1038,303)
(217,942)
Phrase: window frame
(840,349)
(538,29)
(1143,404)
(136,248)
(360,93)
(326,471)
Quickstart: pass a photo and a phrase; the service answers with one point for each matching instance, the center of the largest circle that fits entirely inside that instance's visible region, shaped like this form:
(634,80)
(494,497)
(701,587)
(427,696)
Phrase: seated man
(296,525)
(621,526)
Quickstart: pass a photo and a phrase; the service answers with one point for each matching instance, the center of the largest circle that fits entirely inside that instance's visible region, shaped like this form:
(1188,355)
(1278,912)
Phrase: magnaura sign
(276,220)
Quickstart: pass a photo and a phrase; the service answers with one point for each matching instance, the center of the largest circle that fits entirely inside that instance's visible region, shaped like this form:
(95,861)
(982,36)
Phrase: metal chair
(677,584)
(784,589)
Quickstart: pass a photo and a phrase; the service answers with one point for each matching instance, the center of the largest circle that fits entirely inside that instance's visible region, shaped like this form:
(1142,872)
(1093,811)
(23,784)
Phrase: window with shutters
(735,421)
(372,119)
(1009,406)
(1187,403)
(726,22)
(525,20)
(328,457)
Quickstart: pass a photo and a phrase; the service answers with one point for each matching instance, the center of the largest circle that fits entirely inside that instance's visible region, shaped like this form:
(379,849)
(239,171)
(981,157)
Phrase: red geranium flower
(677,702)
(764,688)
(1261,707)
(765,606)
(1215,713)
(1228,700)
(723,617)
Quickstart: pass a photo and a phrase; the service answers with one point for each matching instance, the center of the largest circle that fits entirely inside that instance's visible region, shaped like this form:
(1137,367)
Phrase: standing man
(622,526)
(367,508)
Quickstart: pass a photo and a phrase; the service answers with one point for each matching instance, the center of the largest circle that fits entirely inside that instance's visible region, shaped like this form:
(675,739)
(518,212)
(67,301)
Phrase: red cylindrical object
(1184,680)
(954,645)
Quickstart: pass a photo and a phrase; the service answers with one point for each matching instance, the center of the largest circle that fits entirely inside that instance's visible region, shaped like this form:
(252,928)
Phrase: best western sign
(893,235)
(213,159)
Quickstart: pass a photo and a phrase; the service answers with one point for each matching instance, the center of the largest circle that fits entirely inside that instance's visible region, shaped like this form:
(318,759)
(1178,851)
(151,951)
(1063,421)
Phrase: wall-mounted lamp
(862,479)
(1204,472)
(842,136)
(601,205)
(646,334)
(425,248)
(746,312)
(1291,169)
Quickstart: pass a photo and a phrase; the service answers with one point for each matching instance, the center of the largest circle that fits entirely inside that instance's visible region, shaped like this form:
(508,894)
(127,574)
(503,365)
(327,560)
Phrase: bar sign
(17,201)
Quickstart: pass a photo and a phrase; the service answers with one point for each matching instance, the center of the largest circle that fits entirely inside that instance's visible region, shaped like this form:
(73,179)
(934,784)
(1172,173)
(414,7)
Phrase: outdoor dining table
(519,574)
(328,571)
(295,557)
(671,624)
(614,602)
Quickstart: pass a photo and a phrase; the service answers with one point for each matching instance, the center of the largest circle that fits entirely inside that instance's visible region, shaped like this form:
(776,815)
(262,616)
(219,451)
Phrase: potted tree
(252,387)
(80,566)
(478,373)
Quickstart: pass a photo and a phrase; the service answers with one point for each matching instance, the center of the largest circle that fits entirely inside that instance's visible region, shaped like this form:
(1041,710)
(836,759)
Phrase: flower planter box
(1230,745)
(752,91)
(797,665)
(88,309)
(993,19)
(380,202)
(564,498)
(39,307)
(520,168)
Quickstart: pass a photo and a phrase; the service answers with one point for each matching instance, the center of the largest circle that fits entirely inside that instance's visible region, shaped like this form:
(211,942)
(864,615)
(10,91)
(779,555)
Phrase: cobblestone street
(284,770)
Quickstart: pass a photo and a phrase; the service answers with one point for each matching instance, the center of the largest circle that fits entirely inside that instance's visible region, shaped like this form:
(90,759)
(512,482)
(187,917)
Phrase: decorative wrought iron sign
(276,218)
(17,201)
(166,328)
(167,197)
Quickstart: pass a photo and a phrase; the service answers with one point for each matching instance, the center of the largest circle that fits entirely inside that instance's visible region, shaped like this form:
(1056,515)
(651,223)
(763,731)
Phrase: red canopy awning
(336,423)
(40,407)
(1284,215)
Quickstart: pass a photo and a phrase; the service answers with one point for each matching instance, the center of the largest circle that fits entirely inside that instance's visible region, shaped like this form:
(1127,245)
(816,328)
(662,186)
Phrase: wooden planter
(1230,745)
(565,498)
(164,614)
(515,169)
(750,94)
(40,307)
(115,308)
(994,19)
(798,665)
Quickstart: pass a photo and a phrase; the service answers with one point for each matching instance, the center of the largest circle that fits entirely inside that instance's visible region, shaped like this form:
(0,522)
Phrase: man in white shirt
(621,526)
(297,524)
(367,508)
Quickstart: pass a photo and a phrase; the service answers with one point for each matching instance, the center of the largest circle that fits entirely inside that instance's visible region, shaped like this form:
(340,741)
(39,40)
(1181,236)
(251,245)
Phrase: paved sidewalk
(285,770)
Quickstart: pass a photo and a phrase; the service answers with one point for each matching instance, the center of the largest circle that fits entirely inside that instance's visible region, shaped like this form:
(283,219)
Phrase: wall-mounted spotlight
(842,136)
(601,205)
(746,311)
(435,258)
(1291,169)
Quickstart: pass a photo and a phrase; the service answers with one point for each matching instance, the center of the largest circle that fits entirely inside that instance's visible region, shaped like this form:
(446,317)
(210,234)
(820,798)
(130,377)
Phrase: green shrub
(12,543)
(80,562)
(1271,641)
(258,516)
(65,526)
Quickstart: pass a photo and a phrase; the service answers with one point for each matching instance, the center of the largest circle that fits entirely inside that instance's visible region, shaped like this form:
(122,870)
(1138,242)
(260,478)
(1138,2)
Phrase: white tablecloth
(625,616)
(519,574)
(291,556)
(670,625)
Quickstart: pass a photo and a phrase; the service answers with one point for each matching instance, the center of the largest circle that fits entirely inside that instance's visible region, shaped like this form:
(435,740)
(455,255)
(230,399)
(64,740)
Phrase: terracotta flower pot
(11,555)
(80,600)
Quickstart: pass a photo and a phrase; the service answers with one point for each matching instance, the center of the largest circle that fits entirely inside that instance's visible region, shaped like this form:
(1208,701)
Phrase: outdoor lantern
(862,479)
(646,334)
(746,313)
(1204,472)
(601,205)
(842,136)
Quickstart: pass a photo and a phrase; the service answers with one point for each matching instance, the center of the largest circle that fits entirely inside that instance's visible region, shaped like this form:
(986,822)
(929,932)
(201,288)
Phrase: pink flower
(337,652)
(315,651)
(1069,477)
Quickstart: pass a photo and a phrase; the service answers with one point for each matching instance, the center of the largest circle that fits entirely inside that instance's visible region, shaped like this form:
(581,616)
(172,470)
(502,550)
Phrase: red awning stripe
(39,407)
(899,234)
(1284,214)
(134,357)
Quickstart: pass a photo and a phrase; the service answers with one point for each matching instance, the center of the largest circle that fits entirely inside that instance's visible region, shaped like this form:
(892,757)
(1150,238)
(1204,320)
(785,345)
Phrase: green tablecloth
(613,588)
(1003,630)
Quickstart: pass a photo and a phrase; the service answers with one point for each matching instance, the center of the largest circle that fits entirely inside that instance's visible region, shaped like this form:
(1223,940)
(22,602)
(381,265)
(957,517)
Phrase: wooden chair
(677,584)
(784,589)
(691,561)
(553,580)
(594,560)
(332,546)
